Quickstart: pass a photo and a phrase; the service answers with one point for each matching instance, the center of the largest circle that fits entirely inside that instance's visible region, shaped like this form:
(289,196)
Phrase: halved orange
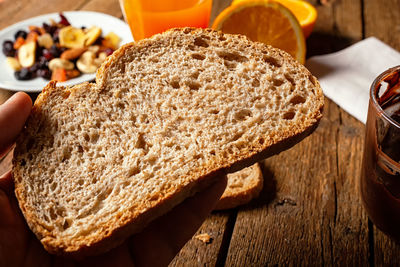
(264,21)
(304,12)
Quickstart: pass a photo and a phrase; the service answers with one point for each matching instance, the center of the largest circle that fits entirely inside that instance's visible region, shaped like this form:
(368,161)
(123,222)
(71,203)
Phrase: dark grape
(8,48)
(44,73)
(20,33)
(55,37)
(47,54)
(24,74)
(55,51)
(34,67)
(49,29)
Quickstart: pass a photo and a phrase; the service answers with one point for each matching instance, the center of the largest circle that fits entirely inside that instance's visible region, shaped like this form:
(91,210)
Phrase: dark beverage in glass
(380,178)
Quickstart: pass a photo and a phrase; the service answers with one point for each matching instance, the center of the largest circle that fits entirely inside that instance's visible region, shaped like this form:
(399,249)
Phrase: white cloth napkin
(346,76)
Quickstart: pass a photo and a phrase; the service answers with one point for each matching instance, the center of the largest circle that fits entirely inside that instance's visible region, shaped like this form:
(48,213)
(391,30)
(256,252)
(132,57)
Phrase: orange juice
(146,17)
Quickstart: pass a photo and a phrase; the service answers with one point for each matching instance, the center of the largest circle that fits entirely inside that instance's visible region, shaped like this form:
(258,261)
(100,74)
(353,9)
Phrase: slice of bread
(98,161)
(242,187)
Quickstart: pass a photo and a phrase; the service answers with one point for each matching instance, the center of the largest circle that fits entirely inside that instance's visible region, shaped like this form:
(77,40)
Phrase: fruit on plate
(305,13)
(54,50)
(71,37)
(26,54)
(264,21)
(91,35)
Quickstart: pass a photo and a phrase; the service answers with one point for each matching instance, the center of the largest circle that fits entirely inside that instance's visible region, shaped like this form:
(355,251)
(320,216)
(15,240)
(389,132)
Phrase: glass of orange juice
(148,17)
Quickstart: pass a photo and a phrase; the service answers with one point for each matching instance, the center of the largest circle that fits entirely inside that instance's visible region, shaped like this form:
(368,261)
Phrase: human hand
(156,245)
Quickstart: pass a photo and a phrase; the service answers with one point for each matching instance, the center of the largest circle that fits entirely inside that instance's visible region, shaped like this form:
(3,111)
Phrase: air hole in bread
(237,136)
(53,186)
(66,224)
(195,74)
(230,65)
(199,41)
(193,85)
(222,38)
(272,61)
(121,105)
(255,83)
(289,115)
(86,137)
(290,79)
(66,154)
(212,152)
(297,99)
(243,114)
(277,82)
(174,83)
(141,142)
(94,137)
(198,56)
(80,182)
(261,141)
(80,149)
(214,111)
(198,156)
(231,56)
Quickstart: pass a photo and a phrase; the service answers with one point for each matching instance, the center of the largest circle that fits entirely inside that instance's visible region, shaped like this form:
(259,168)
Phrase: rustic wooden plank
(15,11)
(199,253)
(386,251)
(111,7)
(277,232)
(381,20)
(350,224)
(339,24)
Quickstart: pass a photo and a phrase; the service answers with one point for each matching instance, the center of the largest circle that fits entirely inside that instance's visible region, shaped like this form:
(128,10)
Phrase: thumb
(13,114)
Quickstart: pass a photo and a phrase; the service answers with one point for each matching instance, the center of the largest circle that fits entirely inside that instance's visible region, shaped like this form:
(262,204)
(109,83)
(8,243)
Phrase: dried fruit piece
(31,37)
(86,62)
(71,37)
(26,54)
(59,75)
(58,63)
(18,43)
(13,63)
(91,35)
(72,53)
(45,40)
(113,39)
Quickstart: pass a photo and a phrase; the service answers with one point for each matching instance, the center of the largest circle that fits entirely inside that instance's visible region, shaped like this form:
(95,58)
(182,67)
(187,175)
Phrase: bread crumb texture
(163,114)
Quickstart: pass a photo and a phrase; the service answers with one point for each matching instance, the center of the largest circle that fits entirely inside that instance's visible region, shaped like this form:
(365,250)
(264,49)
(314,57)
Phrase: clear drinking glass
(146,17)
(380,179)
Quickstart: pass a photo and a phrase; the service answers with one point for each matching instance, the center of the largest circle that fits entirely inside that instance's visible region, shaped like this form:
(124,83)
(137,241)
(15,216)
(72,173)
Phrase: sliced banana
(13,63)
(45,40)
(71,37)
(59,63)
(92,35)
(26,54)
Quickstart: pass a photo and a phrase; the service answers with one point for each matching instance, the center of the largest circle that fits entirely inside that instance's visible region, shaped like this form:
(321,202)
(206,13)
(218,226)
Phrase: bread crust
(124,225)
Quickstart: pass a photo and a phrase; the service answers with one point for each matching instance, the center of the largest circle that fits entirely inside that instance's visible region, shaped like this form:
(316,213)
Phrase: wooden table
(310,211)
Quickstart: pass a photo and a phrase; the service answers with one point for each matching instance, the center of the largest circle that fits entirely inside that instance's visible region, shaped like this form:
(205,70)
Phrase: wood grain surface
(309,212)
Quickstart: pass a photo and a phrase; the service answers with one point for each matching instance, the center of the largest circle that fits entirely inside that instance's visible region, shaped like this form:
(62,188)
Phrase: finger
(168,234)
(6,183)
(13,114)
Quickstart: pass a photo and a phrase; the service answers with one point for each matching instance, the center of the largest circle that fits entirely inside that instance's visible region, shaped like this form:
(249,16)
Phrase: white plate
(77,18)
